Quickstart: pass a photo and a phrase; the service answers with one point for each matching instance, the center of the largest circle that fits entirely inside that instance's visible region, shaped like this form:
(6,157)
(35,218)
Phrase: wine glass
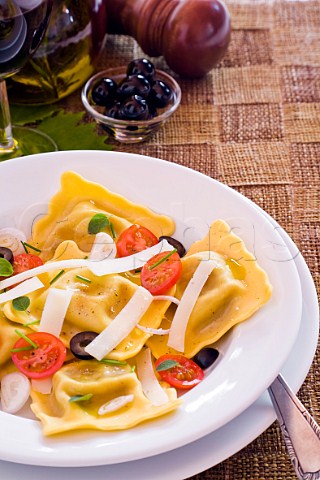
(22,26)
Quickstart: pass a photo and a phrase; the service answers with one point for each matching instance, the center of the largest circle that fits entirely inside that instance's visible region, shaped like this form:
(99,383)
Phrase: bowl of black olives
(131,102)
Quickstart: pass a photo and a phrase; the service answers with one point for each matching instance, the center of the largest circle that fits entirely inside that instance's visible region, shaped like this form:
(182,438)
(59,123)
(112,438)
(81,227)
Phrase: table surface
(253,123)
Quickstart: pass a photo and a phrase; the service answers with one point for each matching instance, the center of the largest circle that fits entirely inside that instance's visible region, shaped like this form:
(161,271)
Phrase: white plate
(248,363)
(221,444)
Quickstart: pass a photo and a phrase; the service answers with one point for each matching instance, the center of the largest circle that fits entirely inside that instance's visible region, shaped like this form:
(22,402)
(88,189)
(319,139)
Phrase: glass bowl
(129,131)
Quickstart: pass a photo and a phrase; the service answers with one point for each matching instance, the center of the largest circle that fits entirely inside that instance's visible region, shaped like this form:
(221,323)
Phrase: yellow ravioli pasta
(233,292)
(104,383)
(71,209)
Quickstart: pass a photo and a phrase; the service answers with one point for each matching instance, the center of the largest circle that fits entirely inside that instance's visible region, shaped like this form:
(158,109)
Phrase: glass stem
(6,138)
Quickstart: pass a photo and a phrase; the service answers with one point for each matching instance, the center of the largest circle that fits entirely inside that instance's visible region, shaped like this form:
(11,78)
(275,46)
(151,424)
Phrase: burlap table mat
(254,124)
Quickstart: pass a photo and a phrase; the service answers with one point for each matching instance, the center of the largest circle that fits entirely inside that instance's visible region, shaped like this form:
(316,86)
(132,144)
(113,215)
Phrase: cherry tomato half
(25,261)
(40,362)
(161,278)
(135,239)
(187,374)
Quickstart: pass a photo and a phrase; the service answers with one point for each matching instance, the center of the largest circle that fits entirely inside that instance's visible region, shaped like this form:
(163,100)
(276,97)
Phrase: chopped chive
(56,277)
(30,323)
(85,258)
(133,368)
(80,398)
(113,362)
(25,244)
(163,259)
(84,279)
(24,247)
(22,335)
(14,350)
(113,233)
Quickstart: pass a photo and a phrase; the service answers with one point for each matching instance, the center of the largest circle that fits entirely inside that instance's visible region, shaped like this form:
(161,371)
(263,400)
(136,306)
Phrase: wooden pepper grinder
(192,35)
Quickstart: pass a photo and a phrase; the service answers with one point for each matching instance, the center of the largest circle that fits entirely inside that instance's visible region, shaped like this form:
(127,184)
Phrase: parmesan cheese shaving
(99,268)
(103,247)
(22,289)
(121,325)
(154,331)
(187,303)
(55,310)
(43,385)
(169,298)
(149,382)
(115,404)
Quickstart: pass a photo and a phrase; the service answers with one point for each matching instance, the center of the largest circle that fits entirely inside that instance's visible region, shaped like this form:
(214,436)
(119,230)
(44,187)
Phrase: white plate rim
(50,454)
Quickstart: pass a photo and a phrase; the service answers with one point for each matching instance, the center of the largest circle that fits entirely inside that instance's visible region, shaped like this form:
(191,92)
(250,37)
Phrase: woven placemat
(254,124)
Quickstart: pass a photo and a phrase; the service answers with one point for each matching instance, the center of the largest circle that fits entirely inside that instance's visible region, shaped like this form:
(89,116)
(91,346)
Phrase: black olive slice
(79,342)
(6,253)
(206,357)
(175,243)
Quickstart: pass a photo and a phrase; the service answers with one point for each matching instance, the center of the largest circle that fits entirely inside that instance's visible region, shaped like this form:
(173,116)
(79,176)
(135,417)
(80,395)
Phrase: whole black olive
(104,92)
(79,342)
(141,66)
(175,243)
(114,111)
(6,253)
(134,85)
(206,357)
(160,94)
(135,108)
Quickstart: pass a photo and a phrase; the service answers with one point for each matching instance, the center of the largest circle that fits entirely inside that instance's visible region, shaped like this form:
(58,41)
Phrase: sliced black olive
(206,357)
(79,342)
(6,253)
(176,244)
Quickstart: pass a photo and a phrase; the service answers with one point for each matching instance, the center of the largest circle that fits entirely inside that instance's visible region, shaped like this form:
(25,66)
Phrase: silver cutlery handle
(300,431)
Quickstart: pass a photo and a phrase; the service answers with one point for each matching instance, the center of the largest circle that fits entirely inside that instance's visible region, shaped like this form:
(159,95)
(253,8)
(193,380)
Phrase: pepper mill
(192,35)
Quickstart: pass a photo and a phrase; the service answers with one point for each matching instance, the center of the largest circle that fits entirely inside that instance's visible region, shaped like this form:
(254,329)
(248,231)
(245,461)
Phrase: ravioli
(104,383)
(93,306)
(78,200)
(235,290)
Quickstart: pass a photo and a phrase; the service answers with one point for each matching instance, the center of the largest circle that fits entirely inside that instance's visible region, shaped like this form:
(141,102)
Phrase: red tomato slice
(162,277)
(135,239)
(184,376)
(39,362)
(25,261)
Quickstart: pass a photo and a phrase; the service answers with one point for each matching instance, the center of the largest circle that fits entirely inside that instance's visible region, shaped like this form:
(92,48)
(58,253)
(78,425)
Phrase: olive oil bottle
(67,56)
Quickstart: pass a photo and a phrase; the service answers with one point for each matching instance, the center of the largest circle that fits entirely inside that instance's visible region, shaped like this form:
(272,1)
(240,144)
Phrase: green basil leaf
(6,268)
(80,398)
(97,223)
(166,365)
(21,303)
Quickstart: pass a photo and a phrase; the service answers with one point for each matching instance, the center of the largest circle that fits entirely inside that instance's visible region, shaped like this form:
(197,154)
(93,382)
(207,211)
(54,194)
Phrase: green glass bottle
(67,56)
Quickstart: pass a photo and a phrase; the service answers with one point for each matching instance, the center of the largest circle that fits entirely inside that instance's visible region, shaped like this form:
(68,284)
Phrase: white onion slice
(149,382)
(187,302)
(55,310)
(115,404)
(22,289)
(104,267)
(169,298)
(11,238)
(154,331)
(43,385)
(15,391)
(121,325)
(103,247)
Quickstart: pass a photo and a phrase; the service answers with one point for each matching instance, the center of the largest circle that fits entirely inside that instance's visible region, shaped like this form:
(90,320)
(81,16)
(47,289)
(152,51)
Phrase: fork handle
(300,431)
